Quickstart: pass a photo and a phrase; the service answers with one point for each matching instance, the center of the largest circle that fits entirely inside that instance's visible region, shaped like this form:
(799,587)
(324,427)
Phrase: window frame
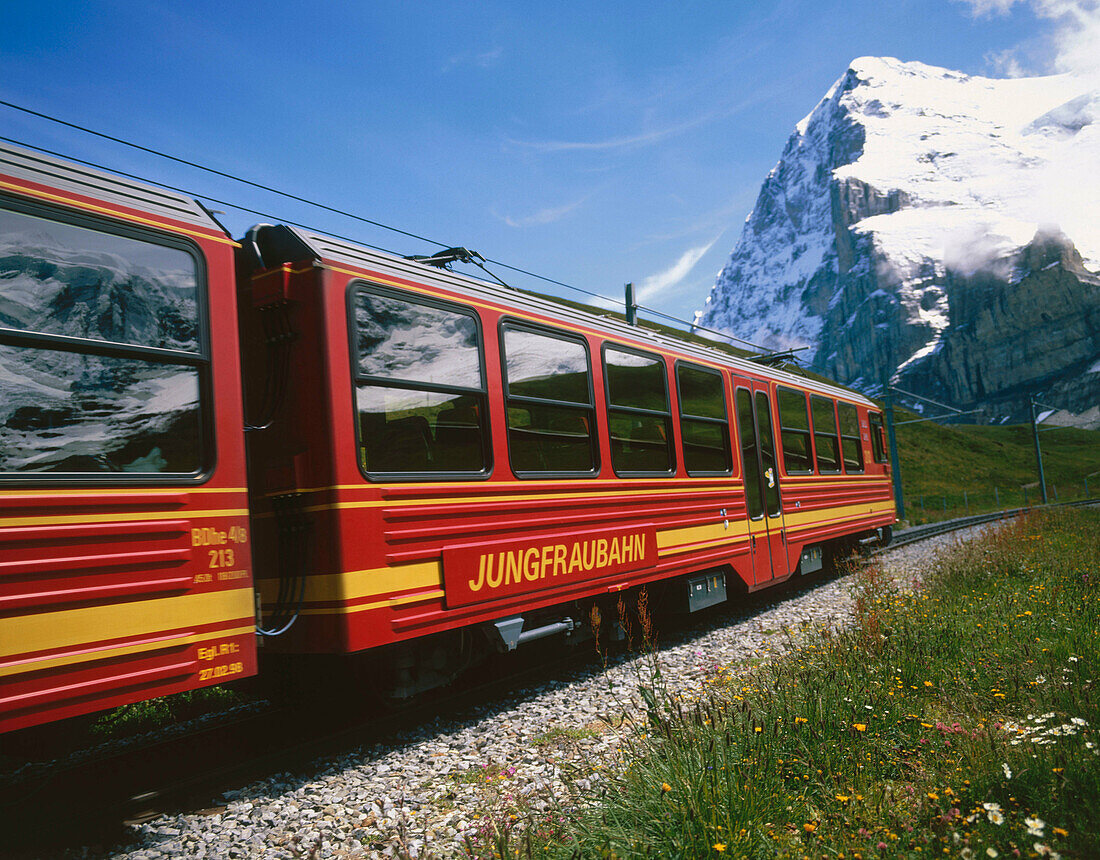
(858,439)
(361,284)
(670,445)
(835,435)
(808,433)
(879,452)
(201,360)
(722,422)
(511,323)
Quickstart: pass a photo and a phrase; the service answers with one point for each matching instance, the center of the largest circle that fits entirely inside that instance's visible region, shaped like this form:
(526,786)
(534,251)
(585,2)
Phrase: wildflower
(1058,831)
(933,796)
(800,720)
(991,852)
(809,827)
(928,683)
(859,727)
(1035,826)
(993,812)
(1007,770)
(719,847)
(843,798)
(665,788)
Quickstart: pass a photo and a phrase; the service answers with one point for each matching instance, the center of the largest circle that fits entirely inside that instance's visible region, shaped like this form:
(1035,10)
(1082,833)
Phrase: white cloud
(656,284)
(1075,37)
(1006,63)
(981,8)
(481,60)
(627,142)
(543,216)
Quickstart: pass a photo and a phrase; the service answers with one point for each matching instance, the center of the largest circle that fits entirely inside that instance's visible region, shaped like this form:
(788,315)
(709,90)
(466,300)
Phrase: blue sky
(594,143)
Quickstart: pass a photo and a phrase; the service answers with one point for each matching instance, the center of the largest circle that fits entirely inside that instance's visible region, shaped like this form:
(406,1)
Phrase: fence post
(1055,488)
(966,502)
(997,497)
(1025,497)
(922,505)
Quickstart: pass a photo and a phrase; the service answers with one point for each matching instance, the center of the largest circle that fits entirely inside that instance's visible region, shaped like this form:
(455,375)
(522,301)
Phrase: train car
(419,468)
(125,568)
(461,467)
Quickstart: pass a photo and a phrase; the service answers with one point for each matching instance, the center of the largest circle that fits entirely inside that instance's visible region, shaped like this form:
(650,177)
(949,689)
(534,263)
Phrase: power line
(324,207)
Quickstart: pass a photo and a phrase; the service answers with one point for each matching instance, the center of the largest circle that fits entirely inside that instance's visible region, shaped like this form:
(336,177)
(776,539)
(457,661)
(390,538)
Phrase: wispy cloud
(655,285)
(625,142)
(543,216)
(1074,39)
(480,60)
(655,134)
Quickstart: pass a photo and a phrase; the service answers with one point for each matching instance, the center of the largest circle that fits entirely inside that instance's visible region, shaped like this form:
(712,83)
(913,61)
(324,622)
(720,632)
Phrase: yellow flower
(928,683)
(719,847)
(800,720)
(1058,831)
(933,796)
(859,727)
(809,827)
(843,798)
(665,787)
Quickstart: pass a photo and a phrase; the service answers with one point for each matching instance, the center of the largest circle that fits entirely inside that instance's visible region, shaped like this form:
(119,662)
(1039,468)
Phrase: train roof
(58,173)
(281,241)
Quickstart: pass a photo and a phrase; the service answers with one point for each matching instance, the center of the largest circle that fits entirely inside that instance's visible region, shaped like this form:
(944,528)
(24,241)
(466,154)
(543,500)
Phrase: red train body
(440,466)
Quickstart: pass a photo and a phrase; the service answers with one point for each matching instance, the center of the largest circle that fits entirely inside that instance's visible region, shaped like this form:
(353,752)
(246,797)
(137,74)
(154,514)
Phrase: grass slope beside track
(992,466)
(958,717)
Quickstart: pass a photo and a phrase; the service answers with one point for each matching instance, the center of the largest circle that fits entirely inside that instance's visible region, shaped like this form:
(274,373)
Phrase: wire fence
(934,507)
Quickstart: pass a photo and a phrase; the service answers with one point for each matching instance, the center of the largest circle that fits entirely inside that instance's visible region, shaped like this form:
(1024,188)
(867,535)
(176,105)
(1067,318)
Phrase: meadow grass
(958,716)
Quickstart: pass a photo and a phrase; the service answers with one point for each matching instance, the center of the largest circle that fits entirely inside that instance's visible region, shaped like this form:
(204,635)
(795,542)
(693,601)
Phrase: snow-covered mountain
(933,228)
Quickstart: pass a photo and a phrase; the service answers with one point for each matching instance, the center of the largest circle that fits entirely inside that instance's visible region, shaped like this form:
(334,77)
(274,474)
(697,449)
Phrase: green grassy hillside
(993,466)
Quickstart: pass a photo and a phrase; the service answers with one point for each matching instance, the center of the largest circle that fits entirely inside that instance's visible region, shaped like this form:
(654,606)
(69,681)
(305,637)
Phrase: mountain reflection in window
(551,419)
(67,412)
(416,343)
(61,279)
(419,389)
(100,352)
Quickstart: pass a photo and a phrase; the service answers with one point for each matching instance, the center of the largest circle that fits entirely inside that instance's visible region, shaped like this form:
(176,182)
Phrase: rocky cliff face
(907,233)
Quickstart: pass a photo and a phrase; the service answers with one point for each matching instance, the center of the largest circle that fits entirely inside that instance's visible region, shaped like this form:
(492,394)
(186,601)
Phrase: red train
(347,450)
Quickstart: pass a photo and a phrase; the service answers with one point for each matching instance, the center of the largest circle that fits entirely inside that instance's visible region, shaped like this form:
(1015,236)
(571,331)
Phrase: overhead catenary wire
(322,206)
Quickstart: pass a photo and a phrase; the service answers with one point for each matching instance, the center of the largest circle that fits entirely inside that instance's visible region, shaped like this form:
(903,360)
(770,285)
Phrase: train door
(761,476)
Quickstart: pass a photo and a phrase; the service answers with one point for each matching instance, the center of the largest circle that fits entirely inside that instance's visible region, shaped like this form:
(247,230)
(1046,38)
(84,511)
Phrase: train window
(103,360)
(549,404)
(704,426)
(794,431)
(767,453)
(638,413)
(825,438)
(754,500)
(850,444)
(878,445)
(420,385)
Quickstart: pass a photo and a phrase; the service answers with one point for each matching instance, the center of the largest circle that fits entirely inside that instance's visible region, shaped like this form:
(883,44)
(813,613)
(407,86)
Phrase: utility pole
(894,459)
(1038,450)
(631,307)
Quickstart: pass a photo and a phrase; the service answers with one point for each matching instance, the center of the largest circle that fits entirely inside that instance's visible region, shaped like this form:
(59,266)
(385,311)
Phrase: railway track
(917,533)
(92,799)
